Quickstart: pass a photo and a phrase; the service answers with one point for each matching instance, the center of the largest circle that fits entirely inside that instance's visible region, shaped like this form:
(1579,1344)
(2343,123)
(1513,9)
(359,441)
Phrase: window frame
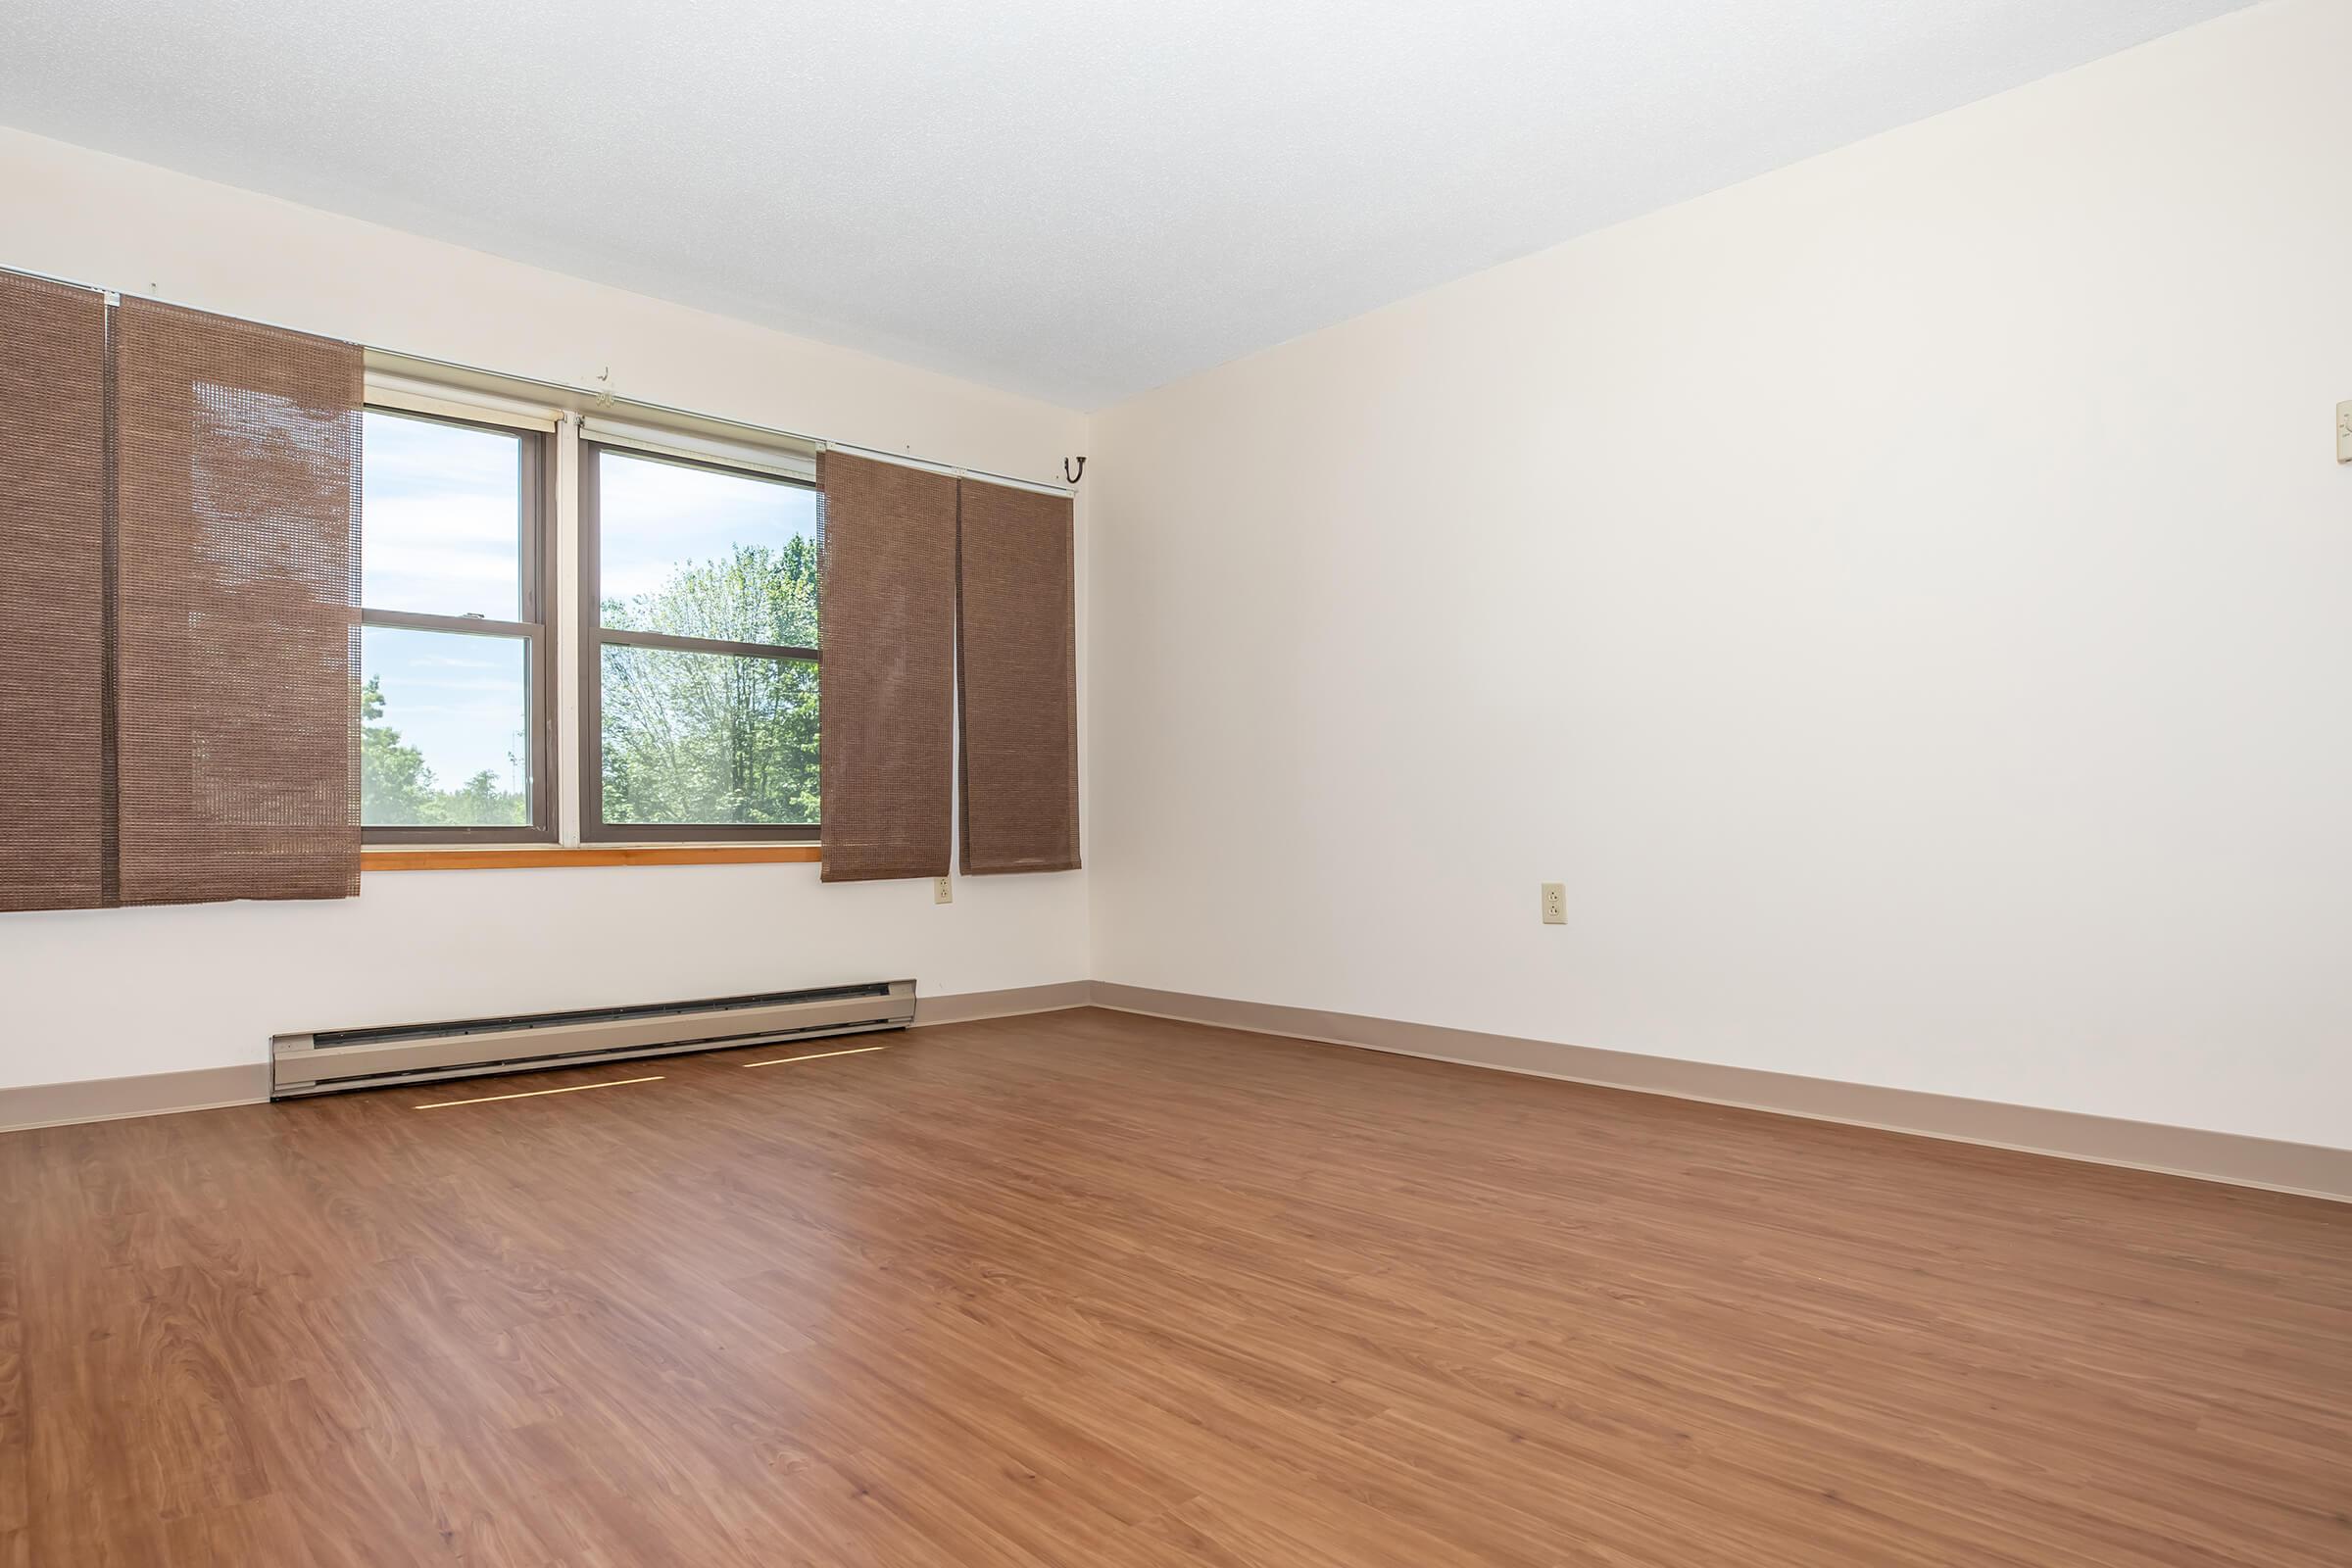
(592,636)
(537,582)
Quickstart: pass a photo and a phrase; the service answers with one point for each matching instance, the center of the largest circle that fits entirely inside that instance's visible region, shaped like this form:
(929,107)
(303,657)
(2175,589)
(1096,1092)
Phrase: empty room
(1283,785)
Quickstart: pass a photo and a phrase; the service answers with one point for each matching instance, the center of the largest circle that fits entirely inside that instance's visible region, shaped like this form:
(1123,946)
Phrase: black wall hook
(1072,478)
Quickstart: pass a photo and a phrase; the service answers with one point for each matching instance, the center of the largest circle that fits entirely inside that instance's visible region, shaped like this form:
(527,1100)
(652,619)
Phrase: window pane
(695,738)
(444,726)
(441,518)
(697,553)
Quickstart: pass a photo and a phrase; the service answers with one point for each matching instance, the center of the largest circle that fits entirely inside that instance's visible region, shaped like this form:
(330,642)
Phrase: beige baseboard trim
(154,1093)
(972,1004)
(2232,1157)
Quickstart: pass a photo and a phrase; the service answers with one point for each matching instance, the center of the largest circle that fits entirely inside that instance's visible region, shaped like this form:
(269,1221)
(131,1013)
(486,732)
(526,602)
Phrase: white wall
(1907,599)
(106,993)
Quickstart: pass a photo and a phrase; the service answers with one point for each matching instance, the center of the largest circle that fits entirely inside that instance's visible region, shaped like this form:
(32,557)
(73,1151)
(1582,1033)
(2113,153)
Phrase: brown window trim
(538,580)
(519,858)
(594,829)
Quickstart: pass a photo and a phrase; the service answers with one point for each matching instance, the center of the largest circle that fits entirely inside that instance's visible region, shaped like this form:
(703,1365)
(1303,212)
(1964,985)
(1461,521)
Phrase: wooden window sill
(511,857)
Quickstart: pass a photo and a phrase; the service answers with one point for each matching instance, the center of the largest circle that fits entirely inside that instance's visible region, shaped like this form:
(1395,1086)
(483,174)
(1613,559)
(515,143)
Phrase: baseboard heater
(332,1060)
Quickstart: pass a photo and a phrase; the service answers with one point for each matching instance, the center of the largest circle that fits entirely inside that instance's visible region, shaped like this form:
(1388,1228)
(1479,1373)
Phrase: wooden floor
(1089,1289)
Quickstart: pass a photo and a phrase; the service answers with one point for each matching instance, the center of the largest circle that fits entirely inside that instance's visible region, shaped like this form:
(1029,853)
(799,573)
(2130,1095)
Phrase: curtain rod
(819,442)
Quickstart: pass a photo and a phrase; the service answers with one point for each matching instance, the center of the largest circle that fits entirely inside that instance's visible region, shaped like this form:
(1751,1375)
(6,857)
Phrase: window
(453,643)
(687,618)
(698,658)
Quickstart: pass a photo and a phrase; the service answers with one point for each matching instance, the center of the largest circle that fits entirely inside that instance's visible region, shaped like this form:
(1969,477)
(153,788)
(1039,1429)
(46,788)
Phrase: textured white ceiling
(1079,199)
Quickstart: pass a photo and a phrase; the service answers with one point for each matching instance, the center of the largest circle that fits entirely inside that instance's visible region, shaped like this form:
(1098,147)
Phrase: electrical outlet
(942,890)
(2344,432)
(1555,904)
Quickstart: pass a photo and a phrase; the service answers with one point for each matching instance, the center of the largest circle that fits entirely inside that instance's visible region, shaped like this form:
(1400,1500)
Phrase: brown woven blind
(884,752)
(1017,631)
(237,616)
(52,594)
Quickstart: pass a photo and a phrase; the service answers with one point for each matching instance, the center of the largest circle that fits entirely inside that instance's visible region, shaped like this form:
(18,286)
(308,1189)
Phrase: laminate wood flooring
(1089,1289)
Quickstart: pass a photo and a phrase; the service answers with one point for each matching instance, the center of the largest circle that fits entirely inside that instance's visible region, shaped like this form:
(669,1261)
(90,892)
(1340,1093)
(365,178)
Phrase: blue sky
(440,534)
(660,515)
